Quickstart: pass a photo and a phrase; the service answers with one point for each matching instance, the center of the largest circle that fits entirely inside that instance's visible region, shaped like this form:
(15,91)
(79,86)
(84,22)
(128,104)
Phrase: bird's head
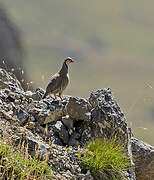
(69,60)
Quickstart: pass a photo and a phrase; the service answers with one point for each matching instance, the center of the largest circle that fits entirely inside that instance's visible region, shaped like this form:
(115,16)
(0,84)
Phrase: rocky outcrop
(58,130)
(143,157)
(72,122)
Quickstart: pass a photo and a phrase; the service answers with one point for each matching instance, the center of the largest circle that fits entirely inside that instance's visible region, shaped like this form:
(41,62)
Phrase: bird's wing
(54,83)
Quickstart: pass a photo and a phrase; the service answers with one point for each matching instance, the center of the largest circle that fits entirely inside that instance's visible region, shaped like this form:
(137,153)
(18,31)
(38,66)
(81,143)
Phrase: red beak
(73,60)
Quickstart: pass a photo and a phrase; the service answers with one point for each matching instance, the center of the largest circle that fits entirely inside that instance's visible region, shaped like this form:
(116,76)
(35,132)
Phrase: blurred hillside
(112,42)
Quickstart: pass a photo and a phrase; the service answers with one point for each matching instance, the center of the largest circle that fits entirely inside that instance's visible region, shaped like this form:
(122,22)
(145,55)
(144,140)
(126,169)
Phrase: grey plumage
(59,81)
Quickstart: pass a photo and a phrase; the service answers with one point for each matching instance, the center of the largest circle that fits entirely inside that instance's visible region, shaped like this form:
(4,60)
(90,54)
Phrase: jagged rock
(28,94)
(21,115)
(143,156)
(73,142)
(107,117)
(53,116)
(68,122)
(30,125)
(8,117)
(78,108)
(37,95)
(65,161)
(86,176)
(32,145)
(60,130)
(53,112)
(8,80)
(56,140)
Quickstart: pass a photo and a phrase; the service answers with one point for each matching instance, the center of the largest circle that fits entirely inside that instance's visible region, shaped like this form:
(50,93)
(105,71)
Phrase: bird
(59,81)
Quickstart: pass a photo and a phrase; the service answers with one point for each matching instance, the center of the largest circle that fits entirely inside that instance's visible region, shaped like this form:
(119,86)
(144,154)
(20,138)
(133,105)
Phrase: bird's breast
(67,76)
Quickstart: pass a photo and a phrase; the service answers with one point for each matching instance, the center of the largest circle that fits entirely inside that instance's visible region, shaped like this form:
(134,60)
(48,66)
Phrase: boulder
(60,130)
(33,146)
(68,122)
(78,109)
(143,157)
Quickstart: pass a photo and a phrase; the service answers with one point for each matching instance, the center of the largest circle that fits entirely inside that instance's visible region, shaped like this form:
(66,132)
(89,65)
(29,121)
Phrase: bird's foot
(55,97)
(61,98)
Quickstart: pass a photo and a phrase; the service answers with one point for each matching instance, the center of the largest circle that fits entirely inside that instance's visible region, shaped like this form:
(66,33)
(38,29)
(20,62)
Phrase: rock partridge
(59,81)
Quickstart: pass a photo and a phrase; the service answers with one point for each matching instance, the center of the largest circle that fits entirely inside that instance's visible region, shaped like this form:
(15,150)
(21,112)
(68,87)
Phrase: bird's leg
(55,96)
(60,96)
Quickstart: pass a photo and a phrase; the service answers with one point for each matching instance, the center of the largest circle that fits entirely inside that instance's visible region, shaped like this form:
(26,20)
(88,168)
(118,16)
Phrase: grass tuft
(106,157)
(17,165)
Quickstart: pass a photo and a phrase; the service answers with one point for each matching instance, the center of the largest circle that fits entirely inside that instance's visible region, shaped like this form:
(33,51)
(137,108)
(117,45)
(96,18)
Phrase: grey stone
(53,116)
(56,140)
(86,176)
(78,108)
(48,111)
(60,130)
(107,115)
(21,115)
(30,125)
(143,157)
(8,80)
(28,94)
(73,142)
(34,147)
(38,93)
(8,117)
(75,135)
(68,122)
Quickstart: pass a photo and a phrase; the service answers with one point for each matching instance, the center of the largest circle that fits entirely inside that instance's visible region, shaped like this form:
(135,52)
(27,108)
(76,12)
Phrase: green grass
(106,157)
(16,165)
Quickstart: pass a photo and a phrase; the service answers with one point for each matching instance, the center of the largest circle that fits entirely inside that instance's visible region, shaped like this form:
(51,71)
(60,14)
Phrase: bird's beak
(73,60)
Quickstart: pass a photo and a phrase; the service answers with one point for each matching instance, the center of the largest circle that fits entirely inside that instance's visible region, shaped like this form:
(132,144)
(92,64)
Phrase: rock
(32,145)
(107,117)
(8,80)
(143,157)
(43,116)
(75,135)
(68,122)
(37,95)
(53,112)
(8,117)
(73,142)
(30,125)
(98,97)
(53,116)
(56,140)
(28,94)
(86,176)
(60,130)
(65,161)
(78,108)
(21,115)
